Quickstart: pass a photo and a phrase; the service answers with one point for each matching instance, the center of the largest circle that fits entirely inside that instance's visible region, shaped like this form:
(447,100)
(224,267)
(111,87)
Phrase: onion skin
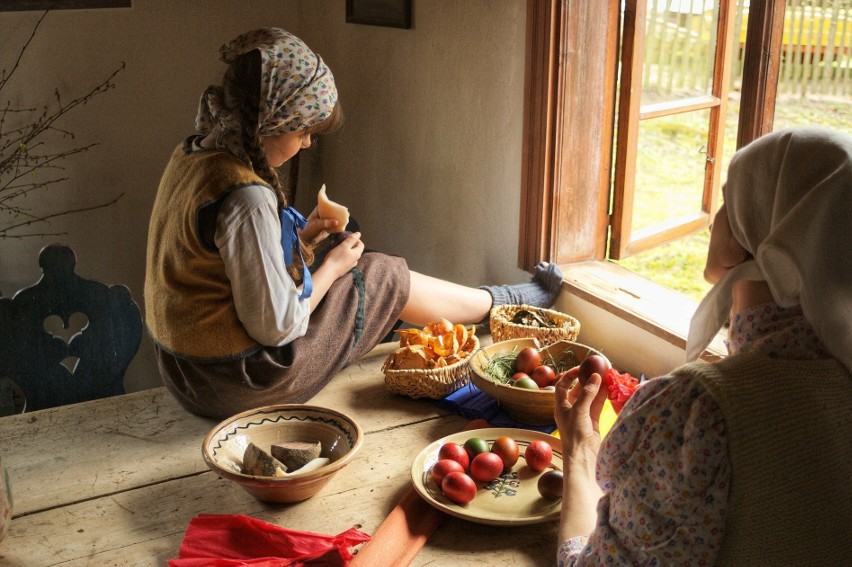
(328,209)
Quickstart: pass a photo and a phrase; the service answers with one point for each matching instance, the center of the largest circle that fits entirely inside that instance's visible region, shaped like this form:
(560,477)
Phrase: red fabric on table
(404,532)
(223,540)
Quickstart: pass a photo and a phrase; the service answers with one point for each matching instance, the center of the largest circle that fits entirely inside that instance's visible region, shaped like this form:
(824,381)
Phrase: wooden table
(116,481)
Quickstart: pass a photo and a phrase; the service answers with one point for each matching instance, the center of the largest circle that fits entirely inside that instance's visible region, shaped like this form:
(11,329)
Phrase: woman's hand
(577,412)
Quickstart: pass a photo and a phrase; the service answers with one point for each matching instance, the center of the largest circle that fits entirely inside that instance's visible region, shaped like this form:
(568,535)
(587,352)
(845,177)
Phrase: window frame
(557,189)
(624,240)
(572,50)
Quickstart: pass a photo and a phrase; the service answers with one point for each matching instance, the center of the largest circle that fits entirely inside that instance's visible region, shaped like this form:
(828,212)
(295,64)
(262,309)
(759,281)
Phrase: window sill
(653,308)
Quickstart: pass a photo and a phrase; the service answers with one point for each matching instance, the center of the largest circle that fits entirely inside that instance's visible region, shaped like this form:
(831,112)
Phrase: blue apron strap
(291,222)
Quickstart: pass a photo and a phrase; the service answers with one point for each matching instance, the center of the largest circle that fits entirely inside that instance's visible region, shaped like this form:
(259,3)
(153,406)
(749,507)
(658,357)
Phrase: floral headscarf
(297,90)
(789,202)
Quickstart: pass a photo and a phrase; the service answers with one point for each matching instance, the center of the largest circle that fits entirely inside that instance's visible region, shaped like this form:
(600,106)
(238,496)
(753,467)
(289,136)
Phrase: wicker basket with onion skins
(434,383)
(567,328)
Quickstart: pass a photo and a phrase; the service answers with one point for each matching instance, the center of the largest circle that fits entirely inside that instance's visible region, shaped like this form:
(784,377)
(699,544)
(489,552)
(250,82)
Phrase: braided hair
(241,92)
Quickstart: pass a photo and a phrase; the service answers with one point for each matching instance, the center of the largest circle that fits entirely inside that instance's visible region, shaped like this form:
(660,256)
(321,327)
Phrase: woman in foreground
(746,461)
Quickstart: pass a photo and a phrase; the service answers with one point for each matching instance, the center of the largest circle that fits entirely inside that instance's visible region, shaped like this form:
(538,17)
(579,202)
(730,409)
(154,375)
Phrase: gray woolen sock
(542,291)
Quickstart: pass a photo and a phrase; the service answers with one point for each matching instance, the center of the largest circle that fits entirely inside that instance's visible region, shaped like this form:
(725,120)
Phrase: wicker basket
(503,329)
(436,383)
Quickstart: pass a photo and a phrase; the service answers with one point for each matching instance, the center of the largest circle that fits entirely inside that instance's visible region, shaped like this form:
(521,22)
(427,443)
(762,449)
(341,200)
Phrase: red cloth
(223,540)
(621,386)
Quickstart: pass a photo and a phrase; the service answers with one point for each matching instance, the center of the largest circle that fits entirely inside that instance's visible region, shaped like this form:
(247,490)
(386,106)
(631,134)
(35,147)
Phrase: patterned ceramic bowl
(339,436)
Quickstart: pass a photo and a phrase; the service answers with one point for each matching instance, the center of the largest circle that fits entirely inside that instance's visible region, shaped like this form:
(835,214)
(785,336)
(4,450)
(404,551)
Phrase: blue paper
(472,403)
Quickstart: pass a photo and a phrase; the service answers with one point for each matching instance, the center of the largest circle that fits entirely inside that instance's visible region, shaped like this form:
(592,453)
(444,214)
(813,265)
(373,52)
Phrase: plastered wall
(428,160)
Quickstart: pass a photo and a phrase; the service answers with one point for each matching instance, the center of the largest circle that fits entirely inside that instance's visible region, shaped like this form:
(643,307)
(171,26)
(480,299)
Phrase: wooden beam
(761,65)
(539,125)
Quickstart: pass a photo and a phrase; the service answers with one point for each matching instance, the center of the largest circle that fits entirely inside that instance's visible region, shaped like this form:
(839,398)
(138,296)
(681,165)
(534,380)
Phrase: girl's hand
(336,264)
(345,255)
(317,228)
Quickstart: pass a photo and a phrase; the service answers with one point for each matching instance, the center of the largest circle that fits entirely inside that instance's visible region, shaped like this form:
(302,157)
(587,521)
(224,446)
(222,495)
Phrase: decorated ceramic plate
(511,499)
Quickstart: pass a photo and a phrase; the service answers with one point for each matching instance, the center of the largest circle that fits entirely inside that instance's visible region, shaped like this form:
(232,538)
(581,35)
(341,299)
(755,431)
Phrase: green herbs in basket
(501,366)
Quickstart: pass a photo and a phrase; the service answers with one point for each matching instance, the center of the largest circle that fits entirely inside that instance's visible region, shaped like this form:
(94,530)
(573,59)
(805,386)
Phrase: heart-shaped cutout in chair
(56,327)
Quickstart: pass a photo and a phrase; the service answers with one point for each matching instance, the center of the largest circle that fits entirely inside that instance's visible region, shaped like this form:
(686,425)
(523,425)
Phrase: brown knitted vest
(189,306)
(789,429)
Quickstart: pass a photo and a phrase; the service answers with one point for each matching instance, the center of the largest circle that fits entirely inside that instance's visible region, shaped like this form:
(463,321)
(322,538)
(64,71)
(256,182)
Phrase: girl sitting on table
(237,318)
(746,461)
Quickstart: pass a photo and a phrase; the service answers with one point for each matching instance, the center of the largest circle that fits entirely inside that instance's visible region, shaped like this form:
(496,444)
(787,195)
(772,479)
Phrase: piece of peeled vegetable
(258,462)
(328,209)
(296,454)
(310,466)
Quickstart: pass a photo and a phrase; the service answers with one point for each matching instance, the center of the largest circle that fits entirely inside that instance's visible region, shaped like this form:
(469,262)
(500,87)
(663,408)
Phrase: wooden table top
(116,481)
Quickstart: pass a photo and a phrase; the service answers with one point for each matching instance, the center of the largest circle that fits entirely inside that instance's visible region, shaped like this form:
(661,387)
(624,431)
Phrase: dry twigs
(28,160)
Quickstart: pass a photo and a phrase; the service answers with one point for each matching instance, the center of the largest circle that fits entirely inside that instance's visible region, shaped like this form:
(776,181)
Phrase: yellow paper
(607,418)
(606,421)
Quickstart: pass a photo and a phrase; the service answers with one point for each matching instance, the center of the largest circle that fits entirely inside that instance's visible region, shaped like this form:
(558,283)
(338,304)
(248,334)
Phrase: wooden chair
(66,339)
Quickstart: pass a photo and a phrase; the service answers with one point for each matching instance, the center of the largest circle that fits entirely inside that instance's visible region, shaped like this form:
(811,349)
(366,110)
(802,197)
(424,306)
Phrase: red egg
(518,375)
(538,455)
(444,467)
(527,360)
(455,452)
(543,376)
(593,364)
(458,487)
(486,467)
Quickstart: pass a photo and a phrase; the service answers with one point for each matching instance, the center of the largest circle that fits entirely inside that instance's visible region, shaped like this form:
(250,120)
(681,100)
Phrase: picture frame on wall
(387,13)
(25,5)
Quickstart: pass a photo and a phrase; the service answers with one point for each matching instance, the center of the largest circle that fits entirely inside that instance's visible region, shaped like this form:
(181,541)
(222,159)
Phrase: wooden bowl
(224,446)
(530,407)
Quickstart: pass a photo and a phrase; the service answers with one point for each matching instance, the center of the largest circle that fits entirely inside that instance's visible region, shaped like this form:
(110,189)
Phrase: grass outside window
(680,265)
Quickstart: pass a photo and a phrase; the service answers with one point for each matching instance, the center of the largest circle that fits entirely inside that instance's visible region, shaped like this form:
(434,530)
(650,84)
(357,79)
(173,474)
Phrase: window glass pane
(670,167)
(815,78)
(680,48)
(678,265)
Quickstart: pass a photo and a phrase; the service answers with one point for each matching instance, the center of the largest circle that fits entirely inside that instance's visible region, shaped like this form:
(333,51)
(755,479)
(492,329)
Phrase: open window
(575,205)
(675,67)
(596,97)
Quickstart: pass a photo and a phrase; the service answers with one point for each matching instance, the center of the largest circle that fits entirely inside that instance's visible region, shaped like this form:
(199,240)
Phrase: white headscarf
(789,202)
(297,90)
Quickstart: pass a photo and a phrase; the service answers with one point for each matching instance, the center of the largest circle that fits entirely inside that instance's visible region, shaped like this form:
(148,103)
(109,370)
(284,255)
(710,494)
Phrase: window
(673,92)
(571,209)
(573,55)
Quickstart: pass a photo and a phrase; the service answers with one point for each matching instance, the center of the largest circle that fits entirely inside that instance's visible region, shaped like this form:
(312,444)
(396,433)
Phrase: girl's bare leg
(431,298)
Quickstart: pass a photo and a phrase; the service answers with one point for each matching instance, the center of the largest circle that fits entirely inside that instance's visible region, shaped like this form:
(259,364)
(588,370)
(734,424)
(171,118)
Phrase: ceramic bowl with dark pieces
(339,435)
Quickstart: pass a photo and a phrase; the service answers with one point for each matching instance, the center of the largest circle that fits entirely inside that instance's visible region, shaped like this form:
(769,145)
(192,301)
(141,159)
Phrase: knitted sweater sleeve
(665,473)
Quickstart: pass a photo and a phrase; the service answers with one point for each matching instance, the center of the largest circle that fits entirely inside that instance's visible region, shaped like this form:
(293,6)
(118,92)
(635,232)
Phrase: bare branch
(5,78)
(27,163)
(4,232)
